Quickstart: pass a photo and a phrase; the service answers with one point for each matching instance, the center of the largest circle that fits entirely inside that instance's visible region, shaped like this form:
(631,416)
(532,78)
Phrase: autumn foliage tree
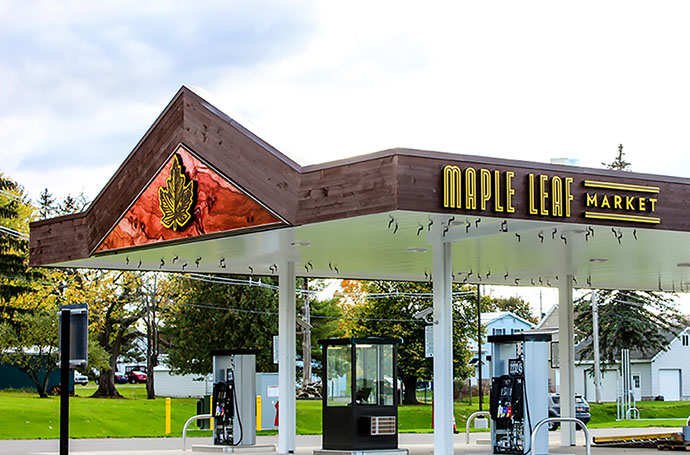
(380,312)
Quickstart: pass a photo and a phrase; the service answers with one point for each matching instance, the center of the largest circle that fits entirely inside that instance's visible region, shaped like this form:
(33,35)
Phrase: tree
(46,205)
(31,344)
(15,214)
(153,301)
(618,164)
(115,302)
(636,320)
(206,316)
(390,315)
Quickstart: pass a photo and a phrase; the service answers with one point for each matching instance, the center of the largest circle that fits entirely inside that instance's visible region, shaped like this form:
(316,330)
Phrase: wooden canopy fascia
(387,181)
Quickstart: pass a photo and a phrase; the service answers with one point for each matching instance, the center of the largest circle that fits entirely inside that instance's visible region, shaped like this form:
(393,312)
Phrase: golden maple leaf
(176,199)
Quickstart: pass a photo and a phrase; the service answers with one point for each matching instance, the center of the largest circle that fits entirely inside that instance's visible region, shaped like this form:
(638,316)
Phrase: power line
(9,195)
(13,233)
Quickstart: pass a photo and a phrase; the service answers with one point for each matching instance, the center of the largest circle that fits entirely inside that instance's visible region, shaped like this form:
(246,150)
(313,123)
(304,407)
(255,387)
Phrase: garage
(669,384)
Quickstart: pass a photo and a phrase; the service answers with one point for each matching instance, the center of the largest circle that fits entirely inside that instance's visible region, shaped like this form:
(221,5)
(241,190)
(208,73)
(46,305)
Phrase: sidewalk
(418,444)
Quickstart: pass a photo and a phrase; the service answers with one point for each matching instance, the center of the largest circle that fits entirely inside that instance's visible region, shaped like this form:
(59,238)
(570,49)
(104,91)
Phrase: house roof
(635,354)
(488,318)
(546,319)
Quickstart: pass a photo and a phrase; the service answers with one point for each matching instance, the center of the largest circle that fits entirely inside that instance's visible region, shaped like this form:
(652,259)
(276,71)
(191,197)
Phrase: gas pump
(233,404)
(224,404)
(519,391)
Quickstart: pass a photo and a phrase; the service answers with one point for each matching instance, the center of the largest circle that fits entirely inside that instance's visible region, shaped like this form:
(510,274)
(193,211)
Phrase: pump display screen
(516,367)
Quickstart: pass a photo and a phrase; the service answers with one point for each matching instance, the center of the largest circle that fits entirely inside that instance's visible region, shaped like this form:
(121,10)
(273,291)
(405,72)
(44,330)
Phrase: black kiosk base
(360,397)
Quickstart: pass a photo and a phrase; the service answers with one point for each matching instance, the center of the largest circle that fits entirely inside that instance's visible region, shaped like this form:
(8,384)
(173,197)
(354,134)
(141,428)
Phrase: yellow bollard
(258,413)
(167,415)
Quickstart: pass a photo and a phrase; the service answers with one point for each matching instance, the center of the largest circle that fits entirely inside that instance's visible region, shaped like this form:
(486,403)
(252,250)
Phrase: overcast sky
(83,80)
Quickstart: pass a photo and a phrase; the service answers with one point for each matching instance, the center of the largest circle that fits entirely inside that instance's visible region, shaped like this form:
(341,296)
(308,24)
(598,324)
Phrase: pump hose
(529,417)
(239,419)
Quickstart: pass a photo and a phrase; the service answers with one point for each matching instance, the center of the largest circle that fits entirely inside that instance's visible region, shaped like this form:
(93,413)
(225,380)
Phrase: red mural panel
(217,206)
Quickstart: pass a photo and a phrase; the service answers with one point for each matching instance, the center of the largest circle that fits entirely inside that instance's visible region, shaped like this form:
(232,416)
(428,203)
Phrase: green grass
(25,416)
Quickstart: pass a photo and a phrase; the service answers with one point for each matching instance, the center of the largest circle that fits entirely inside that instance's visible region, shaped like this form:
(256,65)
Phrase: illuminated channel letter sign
(638,206)
(176,199)
(480,190)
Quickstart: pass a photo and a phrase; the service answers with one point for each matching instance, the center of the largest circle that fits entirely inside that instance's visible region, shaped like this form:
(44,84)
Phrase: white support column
(287,407)
(443,348)
(566,351)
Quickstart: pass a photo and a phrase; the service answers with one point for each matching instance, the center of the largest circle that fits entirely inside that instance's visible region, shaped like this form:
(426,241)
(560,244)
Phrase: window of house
(685,340)
(636,381)
(499,331)
(516,330)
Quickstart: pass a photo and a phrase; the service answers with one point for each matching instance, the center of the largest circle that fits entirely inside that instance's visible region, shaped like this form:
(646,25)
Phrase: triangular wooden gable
(187,198)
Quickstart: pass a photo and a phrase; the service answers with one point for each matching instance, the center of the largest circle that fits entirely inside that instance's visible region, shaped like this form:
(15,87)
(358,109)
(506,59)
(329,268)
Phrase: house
(496,323)
(665,373)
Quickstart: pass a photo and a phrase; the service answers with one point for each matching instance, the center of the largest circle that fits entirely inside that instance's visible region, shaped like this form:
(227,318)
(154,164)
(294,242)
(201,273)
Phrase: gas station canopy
(201,193)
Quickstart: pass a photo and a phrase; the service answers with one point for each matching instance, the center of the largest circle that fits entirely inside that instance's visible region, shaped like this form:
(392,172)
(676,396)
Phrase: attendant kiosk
(360,395)
(519,391)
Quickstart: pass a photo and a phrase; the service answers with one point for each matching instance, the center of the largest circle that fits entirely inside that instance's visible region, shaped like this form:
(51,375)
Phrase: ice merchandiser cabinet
(360,393)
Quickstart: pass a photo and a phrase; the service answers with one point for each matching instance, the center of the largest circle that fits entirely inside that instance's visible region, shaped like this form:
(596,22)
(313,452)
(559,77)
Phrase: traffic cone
(455,428)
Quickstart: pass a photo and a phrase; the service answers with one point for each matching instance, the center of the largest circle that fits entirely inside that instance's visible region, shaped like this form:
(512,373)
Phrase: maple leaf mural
(176,198)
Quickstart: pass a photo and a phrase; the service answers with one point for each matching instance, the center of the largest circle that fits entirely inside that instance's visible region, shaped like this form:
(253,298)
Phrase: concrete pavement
(418,444)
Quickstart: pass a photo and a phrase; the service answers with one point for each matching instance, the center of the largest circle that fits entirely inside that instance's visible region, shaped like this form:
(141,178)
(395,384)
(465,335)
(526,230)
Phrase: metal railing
(474,416)
(533,438)
(184,430)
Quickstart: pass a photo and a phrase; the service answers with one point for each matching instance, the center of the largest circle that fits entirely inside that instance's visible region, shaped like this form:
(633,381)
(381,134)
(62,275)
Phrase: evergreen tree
(635,320)
(15,276)
(46,205)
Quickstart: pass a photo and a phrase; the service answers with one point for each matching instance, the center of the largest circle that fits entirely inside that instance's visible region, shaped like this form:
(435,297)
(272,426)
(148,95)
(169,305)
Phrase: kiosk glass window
(388,386)
(374,375)
(339,375)
(367,374)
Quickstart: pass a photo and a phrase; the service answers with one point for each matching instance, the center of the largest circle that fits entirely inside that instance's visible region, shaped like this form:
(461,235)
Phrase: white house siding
(677,357)
(610,383)
(180,386)
(645,372)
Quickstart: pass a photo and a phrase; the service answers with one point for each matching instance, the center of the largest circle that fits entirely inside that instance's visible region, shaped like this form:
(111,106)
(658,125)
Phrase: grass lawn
(25,416)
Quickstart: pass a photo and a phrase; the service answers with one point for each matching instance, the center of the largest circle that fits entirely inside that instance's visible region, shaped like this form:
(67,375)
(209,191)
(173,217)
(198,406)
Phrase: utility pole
(479,348)
(306,337)
(595,341)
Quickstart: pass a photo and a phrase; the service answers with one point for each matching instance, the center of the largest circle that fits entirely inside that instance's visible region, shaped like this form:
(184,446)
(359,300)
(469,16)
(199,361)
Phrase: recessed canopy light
(683,264)
(301,243)
(599,260)
(416,250)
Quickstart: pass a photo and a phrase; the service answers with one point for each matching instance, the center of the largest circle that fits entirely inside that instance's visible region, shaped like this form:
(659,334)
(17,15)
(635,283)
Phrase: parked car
(136,376)
(120,378)
(80,378)
(581,410)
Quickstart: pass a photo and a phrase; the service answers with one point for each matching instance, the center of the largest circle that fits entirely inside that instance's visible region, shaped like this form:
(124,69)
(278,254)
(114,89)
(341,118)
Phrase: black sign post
(66,313)
(74,322)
